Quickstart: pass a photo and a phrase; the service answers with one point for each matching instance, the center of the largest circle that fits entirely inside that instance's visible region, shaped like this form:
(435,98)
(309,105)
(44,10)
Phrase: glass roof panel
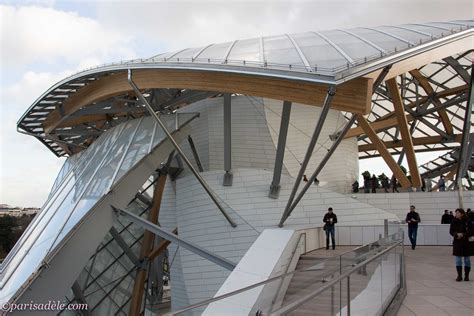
(424,28)
(351,45)
(318,52)
(216,51)
(445,26)
(280,50)
(248,50)
(166,55)
(386,42)
(188,53)
(406,34)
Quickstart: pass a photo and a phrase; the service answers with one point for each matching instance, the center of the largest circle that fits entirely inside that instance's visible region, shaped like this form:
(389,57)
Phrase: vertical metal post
(227,140)
(317,130)
(179,150)
(464,155)
(323,162)
(285,121)
(332,300)
(348,295)
(402,268)
(340,285)
(385,228)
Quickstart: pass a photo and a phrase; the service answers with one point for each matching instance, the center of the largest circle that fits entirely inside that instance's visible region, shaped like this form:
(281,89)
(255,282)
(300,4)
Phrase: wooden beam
(353,96)
(377,126)
(428,140)
(155,252)
(448,177)
(404,132)
(389,119)
(147,244)
(392,164)
(419,60)
(448,127)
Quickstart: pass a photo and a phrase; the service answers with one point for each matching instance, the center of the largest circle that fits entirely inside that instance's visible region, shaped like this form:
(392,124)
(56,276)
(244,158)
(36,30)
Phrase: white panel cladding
(252,145)
(430,205)
(200,222)
(255,128)
(341,170)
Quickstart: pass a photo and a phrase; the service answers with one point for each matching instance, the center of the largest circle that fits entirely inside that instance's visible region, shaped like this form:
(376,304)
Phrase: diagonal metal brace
(201,180)
(323,162)
(157,230)
(309,152)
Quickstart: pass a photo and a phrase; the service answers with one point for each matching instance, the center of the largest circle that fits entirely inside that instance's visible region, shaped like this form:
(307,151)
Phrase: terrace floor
(431,286)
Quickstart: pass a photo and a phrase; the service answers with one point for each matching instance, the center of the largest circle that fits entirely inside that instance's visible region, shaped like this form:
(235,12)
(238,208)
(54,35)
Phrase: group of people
(447,217)
(372,183)
(461,229)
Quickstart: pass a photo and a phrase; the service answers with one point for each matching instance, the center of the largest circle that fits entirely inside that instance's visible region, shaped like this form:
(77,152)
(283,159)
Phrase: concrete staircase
(314,270)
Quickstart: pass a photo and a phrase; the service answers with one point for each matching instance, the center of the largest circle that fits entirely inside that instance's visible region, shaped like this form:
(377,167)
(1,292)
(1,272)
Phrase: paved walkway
(432,289)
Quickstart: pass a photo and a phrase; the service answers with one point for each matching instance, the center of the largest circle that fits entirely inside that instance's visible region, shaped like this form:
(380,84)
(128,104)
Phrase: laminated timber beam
(448,127)
(448,177)
(428,140)
(407,142)
(353,96)
(389,120)
(392,164)
(147,244)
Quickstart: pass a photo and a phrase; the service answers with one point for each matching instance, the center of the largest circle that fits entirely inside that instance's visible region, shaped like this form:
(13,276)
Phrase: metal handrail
(264,282)
(295,304)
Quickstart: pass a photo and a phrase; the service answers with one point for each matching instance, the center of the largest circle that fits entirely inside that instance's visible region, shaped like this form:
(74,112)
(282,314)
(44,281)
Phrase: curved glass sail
(81,184)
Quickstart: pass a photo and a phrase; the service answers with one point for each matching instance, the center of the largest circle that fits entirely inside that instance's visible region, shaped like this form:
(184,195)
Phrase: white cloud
(183,24)
(40,34)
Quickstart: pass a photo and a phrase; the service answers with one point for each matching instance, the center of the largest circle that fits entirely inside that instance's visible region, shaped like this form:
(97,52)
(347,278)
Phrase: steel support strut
(317,130)
(157,230)
(227,140)
(285,121)
(323,163)
(201,180)
(464,154)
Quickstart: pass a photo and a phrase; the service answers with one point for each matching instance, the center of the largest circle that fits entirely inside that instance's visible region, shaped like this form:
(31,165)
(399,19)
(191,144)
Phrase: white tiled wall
(430,205)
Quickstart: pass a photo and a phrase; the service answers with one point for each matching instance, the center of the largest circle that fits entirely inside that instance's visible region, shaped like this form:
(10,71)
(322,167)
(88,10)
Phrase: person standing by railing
(413,218)
(462,231)
(330,219)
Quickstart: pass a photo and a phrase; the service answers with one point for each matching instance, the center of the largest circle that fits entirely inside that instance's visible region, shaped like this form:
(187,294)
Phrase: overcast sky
(44,41)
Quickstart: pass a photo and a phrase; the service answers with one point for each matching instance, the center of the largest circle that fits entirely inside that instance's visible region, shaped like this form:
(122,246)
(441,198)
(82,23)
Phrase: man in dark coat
(413,218)
(329,220)
(446,218)
(461,230)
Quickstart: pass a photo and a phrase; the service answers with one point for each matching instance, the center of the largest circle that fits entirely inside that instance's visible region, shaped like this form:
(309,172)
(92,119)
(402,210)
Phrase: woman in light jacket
(462,248)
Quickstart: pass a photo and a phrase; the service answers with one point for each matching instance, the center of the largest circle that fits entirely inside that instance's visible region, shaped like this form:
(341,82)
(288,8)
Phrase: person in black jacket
(462,248)
(446,218)
(329,220)
(413,218)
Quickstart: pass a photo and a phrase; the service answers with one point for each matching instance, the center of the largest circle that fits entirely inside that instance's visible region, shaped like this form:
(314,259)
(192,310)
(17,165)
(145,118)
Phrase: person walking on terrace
(413,218)
(330,219)
(462,231)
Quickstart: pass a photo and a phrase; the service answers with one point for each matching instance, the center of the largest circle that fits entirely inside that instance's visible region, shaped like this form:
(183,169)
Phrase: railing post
(385,228)
(348,295)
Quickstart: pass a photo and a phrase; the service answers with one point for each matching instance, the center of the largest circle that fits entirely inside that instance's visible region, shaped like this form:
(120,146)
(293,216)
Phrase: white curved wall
(255,128)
